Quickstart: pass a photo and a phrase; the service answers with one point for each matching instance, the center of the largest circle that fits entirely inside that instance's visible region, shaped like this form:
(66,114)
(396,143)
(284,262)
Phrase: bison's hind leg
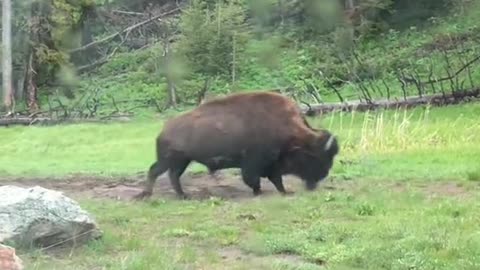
(156,169)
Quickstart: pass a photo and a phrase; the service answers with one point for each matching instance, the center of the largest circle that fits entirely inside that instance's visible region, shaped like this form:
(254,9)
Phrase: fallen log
(408,102)
(26,121)
(310,110)
(45,121)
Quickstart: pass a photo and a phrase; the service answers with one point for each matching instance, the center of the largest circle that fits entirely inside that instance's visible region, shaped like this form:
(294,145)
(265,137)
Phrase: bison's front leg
(277,181)
(254,165)
(252,179)
(213,174)
(275,176)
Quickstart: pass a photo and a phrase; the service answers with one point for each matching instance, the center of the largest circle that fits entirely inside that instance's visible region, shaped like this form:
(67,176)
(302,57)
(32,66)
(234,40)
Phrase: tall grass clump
(402,130)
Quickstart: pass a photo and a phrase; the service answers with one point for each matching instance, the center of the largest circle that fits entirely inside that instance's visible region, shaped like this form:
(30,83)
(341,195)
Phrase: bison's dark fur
(262,133)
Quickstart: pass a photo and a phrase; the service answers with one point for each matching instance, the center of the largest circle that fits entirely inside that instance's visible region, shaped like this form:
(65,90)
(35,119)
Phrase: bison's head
(313,160)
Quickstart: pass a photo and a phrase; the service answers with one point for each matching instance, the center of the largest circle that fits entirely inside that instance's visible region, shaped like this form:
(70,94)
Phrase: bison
(262,133)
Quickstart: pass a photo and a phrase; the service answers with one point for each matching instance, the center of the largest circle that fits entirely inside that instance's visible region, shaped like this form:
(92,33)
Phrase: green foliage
(269,44)
(65,16)
(212,37)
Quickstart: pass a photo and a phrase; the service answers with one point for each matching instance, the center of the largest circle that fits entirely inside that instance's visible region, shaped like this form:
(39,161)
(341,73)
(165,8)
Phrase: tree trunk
(31,84)
(234,58)
(172,95)
(7,56)
(349,4)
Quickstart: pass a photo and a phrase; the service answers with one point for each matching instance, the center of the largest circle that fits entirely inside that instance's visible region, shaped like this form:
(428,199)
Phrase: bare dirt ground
(226,185)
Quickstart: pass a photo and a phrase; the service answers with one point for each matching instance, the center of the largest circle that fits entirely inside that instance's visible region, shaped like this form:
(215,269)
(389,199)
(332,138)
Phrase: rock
(41,217)
(8,259)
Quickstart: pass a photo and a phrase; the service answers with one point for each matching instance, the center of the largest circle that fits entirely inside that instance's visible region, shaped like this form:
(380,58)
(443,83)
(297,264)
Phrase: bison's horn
(329,143)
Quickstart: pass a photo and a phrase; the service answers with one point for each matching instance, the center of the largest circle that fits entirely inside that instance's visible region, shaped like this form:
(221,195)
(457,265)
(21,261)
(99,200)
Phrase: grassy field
(405,195)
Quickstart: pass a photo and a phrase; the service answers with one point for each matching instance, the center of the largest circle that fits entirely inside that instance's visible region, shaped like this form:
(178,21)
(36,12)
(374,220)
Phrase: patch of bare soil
(436,189)
(445,189)
(232,254)
(224,185)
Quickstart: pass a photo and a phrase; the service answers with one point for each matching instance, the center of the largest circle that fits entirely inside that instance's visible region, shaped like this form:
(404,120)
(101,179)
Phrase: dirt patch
(224,185)
(232,254)
(436,189)
(398,187)
(445,189)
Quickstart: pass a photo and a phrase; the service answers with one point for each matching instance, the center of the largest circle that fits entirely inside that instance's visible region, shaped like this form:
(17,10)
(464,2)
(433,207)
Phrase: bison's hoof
(183,196)
(257,192)
(142,195)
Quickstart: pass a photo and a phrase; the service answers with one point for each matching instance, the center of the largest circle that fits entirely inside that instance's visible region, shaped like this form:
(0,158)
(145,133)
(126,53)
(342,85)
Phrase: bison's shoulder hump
(257,98)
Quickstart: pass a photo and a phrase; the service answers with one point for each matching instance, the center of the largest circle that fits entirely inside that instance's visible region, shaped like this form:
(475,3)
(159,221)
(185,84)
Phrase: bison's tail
(158,149)
(161,151)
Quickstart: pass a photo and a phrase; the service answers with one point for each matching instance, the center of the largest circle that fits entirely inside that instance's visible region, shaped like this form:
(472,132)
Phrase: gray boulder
(39,217)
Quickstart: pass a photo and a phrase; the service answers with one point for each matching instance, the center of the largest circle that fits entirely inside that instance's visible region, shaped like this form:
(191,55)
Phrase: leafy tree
(213,37)
(44,32)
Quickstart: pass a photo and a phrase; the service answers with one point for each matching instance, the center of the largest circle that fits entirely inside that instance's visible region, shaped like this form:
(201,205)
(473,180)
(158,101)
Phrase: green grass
(393,144)
(369,228)
(407,197)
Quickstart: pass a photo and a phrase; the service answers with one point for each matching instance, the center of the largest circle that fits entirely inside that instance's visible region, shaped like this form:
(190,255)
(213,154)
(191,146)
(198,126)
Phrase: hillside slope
(440,52)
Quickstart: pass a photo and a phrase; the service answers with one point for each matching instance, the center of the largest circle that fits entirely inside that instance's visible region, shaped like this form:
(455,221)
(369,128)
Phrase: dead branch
(309,111)
(469,71)
(408,102)
(386,88)
(157,106)
(126,30)
(106,58)
(311,89)
(114,104)
(128,13)
(65,109)
(451,75)
(430,76)
(363,89)
(401,79)
(417,82)
(335,90)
